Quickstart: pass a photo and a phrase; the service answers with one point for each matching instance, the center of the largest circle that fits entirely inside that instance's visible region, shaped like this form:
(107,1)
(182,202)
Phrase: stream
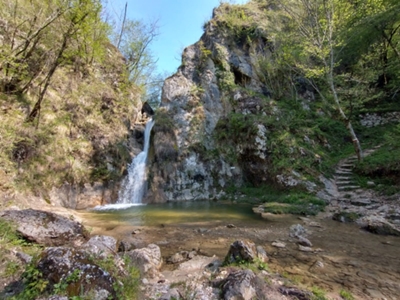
(344,256)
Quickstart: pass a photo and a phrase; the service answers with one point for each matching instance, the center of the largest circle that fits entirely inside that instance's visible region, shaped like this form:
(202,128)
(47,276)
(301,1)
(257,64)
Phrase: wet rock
(297,230)
(146,108)
(125,246)
(200,263)
(202,230)
(191,254)
(278,244)
(178,257)
(101,245)
(170,294)
(318,266)
(379,225)
(46,228)
(361,202)
(25,258)
(295,293)
(241,251)
(148,260)
(136,231)
(238,285)
(181,257)
(74,269)
(262,254)
(315,224)
(346,217)
(304,241)
(305,249)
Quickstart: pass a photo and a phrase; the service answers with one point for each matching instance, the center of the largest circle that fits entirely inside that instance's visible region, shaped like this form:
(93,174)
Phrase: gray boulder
(74,269)
(241,251)
(101,245)
(297,230)
(301,240)
(148,260)
(46,228)
(379,225)
(239,285)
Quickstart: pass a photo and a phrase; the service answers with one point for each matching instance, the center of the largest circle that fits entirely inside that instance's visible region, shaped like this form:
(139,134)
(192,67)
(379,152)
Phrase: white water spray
(132,188)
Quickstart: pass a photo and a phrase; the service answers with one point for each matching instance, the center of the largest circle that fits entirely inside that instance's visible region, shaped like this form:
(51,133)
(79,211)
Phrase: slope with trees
(68,97)
(275,91)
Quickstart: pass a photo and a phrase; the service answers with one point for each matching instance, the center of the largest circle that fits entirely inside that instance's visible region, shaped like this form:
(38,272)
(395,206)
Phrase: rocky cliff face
(211,132)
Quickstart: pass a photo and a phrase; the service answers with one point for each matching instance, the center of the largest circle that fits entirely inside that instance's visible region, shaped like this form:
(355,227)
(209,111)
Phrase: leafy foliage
(382,166)
(58,66)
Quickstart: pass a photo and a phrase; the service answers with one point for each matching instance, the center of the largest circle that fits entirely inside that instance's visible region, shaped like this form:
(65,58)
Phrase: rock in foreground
(79,275)
(46,228)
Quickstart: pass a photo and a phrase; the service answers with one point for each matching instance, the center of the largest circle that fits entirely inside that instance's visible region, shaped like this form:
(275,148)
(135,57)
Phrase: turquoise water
(174,213)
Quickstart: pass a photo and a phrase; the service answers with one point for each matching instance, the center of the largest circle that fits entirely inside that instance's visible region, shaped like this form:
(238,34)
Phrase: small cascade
(132,188)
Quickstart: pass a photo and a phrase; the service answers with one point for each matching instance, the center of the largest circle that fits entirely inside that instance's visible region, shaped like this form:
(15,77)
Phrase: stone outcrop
(80,275)
(245,251)
(377,119)
(85,196)
(101,246)
(238,285)
(208,134)
(148,260)
(379,225)
(46,228)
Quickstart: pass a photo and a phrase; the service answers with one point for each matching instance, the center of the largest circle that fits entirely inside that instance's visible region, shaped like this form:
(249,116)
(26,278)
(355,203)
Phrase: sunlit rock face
(207,136)
(216,78)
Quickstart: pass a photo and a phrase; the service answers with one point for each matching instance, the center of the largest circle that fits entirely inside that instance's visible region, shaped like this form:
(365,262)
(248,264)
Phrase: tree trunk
(354,138)
(35,113)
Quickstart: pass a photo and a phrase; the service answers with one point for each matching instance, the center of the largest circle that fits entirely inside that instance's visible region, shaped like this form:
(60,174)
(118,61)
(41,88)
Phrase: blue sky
(180,23)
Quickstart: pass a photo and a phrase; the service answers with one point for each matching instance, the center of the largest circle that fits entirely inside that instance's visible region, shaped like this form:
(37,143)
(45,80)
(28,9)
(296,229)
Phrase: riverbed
(344,257)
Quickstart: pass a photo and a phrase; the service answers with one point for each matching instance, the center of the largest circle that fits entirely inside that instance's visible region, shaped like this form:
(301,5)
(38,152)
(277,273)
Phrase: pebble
(305,249)
(304,242)
(279,244)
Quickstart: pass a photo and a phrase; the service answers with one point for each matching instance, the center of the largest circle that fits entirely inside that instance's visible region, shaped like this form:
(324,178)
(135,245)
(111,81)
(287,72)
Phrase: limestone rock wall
(217,77)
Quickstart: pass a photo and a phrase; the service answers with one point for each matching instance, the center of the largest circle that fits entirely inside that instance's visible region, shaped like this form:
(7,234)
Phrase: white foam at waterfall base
(132,187)
(116,206)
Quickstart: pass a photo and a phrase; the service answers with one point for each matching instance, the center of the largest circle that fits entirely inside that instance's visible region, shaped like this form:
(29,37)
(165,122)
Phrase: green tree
(314,50)
(22,34)
(373,36)
(133,38)
(38,37)
(77,16)
(135,46)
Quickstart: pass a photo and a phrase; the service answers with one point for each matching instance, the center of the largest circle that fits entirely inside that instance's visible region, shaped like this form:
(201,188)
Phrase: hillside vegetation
(340,58)
(346,56)
(278,91)
(66,99)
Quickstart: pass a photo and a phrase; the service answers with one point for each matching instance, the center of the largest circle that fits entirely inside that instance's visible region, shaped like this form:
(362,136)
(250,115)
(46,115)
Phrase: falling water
(132,188)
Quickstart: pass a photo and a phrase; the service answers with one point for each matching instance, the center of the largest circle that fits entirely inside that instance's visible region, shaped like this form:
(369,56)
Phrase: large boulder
(378,225)
(101,245)
(245,251)
(148,260)
(46,228)
(239,285)
(73,269)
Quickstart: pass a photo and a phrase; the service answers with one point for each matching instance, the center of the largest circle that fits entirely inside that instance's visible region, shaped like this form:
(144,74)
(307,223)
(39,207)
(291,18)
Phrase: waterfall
(132,188)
